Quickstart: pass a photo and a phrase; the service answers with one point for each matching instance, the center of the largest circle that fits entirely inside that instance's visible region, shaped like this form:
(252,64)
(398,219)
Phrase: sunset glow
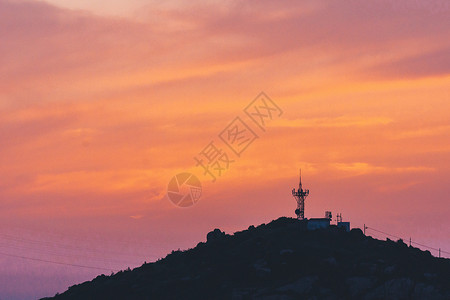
(99,108)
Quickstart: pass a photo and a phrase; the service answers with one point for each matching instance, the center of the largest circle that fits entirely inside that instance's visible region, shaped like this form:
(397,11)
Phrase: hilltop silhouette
(281,260)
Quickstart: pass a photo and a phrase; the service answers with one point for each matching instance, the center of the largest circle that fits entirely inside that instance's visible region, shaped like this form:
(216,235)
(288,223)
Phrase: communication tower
(300,196)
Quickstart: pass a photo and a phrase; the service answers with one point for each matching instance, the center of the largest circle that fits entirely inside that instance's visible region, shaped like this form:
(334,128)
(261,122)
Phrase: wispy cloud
(422,132)
(343,121)
(137,217)
(361,168)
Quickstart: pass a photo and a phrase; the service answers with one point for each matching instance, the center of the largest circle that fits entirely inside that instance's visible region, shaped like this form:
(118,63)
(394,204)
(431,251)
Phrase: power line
(53,248)
(67,255)
(425,246)
(69,251)
(65,246)
(84,239)
(55,245)
(367,227)
(411,242)
(57,262)
(50,248)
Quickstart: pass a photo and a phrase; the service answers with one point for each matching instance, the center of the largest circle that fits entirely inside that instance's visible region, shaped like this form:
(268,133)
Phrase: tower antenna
(300,183)
(300,196)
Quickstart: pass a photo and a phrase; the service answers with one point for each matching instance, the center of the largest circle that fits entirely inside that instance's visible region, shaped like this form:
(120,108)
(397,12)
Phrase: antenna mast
(300,196)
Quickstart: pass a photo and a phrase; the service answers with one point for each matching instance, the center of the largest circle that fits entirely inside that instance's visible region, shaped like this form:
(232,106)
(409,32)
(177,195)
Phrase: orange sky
(99,108)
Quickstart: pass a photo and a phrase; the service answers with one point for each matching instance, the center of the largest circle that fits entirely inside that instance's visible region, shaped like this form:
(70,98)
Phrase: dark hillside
(281,260)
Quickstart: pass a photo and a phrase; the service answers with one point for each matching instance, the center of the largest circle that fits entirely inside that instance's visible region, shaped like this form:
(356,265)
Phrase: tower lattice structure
(300,195)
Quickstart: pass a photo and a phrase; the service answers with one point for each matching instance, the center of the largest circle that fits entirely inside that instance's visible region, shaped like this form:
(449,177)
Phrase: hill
(281,260)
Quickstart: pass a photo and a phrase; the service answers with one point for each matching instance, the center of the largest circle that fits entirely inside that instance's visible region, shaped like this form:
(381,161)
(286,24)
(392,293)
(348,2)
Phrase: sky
(101,105)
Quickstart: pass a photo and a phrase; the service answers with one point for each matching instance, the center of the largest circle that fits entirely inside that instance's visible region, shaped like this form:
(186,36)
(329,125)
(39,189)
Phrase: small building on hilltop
(344,225)
(318,223)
